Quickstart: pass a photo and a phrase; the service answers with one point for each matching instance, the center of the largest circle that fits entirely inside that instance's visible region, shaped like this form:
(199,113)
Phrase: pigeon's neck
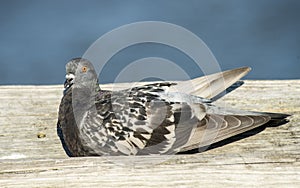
(84,94)
(91,85)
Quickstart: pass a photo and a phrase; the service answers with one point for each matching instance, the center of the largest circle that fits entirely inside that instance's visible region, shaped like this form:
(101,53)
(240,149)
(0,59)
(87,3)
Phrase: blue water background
(37,37)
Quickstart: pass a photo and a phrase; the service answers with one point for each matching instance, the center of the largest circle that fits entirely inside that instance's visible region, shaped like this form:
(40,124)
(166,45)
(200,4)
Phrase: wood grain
(31,154)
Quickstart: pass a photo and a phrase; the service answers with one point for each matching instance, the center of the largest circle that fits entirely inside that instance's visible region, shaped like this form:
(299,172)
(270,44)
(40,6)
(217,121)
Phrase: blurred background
(38,37)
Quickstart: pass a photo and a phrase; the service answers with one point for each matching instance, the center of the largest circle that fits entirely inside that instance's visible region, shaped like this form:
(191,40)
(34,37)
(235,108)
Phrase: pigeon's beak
(69,80)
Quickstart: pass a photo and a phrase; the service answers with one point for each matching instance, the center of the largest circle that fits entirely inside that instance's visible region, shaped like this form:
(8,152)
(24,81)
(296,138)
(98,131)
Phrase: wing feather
(211,85)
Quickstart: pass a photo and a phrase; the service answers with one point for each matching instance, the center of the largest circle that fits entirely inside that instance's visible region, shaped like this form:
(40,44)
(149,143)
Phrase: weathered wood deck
(31,154)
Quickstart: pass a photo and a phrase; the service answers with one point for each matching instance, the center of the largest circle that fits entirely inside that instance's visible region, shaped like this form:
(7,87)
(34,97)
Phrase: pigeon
(159,118)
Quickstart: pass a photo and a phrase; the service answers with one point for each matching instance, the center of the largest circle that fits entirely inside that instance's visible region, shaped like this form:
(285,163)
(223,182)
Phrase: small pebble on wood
(41,135)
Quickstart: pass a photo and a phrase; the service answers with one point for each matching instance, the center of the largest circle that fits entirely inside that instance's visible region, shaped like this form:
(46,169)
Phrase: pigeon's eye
(84,69)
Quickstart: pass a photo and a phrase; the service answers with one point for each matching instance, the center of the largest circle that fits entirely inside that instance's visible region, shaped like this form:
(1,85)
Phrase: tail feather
(217,127)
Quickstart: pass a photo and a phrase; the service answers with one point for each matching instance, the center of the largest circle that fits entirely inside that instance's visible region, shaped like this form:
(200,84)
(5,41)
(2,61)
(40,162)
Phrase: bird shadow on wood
(272,123)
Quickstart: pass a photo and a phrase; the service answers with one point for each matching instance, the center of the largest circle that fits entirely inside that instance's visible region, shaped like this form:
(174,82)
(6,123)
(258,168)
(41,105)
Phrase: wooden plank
(267,157)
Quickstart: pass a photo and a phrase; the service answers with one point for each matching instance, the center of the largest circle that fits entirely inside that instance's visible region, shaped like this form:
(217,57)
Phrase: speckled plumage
(150,119)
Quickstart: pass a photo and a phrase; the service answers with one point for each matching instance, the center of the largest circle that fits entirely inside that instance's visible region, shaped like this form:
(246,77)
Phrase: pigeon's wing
(211,85)
(206,86)
(158,126)
(220,124)
(138,122)
(146,120)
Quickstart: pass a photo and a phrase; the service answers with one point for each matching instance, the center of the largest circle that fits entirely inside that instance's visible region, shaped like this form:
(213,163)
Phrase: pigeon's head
(80,73)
